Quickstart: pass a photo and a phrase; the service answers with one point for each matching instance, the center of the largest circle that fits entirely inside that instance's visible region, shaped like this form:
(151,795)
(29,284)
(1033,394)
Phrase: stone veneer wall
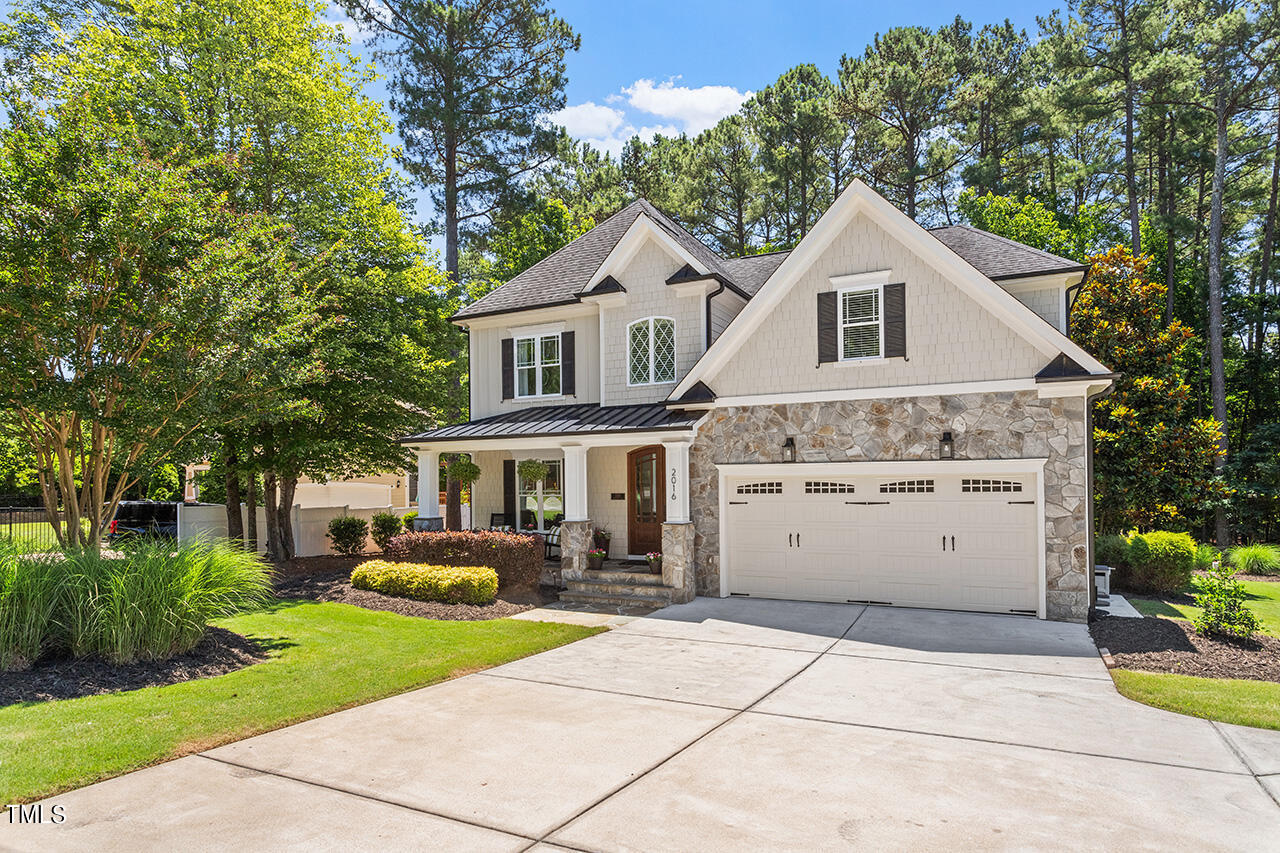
(1012,425)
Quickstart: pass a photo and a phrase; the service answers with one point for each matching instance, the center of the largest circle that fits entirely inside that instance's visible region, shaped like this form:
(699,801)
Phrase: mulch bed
(1170,645)
(336,586)
(220,651)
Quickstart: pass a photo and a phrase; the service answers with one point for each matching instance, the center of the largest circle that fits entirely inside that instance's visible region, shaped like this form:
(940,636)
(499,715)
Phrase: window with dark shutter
(828,350)
(895,320)
(568,367)
(508,368)
(509,490)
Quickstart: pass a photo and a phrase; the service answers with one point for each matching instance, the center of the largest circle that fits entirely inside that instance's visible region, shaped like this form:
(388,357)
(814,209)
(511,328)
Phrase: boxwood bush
(383,526)
(348,534)
(450,584)
(152,604)
(1160,561)
(516,557)
(1112,550)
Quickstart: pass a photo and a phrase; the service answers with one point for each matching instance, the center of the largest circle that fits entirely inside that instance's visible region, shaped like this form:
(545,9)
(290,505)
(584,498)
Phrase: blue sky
(680,65)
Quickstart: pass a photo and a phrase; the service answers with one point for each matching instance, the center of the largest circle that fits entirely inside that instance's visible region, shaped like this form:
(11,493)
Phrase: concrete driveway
(725,724)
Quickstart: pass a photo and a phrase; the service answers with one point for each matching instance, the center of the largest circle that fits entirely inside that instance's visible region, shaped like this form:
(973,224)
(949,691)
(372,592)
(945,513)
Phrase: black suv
(152,519)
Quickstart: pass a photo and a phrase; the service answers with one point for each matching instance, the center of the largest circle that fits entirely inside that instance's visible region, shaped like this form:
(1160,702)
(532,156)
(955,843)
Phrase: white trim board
(892,392)
(859,198)
(910,467)
(625,249)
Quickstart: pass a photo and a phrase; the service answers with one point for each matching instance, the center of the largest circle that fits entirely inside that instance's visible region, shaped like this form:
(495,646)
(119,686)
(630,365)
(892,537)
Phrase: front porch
(622,470)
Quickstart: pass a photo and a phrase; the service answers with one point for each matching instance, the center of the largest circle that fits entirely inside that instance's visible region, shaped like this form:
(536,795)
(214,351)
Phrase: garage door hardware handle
(1022,502)
(944,541)
(731,503)
(868,503)
(953,543)
(789,535)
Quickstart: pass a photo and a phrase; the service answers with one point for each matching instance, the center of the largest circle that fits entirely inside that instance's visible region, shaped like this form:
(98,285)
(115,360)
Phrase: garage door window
(906,487)
(970,485)
(769,488)
(826,487)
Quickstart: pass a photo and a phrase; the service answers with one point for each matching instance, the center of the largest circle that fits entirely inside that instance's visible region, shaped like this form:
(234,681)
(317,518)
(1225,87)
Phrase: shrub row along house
(884,413)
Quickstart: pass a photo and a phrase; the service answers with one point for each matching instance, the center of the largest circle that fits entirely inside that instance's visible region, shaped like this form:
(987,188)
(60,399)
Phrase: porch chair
(552,538)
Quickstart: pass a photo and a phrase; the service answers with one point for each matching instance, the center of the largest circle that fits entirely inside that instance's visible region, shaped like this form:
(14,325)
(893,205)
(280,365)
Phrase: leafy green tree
(1153,459)
(1029,221)
(587,180)
(164,484)
(722,190)
(520,242)
(132,297)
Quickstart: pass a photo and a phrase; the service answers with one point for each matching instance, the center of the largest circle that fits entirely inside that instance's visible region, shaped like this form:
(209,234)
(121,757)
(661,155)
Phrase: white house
(884,413)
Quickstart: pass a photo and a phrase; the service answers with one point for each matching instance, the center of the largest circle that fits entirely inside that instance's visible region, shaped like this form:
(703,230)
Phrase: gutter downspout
(712,295)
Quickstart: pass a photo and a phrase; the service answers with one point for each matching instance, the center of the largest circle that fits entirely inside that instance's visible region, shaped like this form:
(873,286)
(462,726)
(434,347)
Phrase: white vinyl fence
(310,524)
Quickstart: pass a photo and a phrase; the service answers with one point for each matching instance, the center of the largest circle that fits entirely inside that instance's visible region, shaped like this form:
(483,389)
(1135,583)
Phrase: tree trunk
(231,477)
(1131,179)
(1217,367)
(453,504)
(251,515)
(1167,199)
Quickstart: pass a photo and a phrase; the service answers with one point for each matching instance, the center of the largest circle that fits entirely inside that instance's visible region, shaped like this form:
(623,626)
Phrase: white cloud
(696,109)
(589,120)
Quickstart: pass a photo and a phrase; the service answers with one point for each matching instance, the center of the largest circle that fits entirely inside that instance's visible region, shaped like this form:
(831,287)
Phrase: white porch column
(675,481)
(575,483)
(428,489)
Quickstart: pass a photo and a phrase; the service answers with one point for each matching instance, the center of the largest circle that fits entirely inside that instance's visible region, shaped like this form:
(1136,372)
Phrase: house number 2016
(673,484)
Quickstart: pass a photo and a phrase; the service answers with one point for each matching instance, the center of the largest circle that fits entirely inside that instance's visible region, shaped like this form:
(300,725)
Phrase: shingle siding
(950,337)
(486,367)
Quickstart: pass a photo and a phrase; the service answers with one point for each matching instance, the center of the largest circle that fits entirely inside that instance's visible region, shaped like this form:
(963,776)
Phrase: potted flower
(655,562)
(600,537)
(595,559)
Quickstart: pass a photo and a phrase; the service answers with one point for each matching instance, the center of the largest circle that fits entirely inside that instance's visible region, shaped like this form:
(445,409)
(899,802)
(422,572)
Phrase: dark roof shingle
(999,257)
(751,272)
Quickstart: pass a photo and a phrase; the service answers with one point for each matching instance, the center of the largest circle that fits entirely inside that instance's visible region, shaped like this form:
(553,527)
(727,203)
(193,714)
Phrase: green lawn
(324,657)
(1229,700)
(1264,600)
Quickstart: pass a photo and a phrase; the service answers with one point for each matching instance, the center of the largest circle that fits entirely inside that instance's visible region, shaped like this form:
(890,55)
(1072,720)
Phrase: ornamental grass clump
(1255,559)
(152,604)
(449,584)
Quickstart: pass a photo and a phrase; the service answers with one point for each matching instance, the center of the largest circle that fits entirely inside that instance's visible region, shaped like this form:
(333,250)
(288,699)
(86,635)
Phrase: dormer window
(538,366)
(651,351)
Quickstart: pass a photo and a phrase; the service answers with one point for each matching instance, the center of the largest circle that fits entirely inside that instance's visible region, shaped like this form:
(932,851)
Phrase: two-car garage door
(947,540)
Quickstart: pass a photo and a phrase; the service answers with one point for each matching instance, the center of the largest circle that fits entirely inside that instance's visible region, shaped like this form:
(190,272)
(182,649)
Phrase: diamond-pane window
(651,351)
(860,331)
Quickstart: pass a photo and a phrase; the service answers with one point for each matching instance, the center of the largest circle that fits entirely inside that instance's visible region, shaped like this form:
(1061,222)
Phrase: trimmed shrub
(383,526)
(516,557)
(408,518)
(1224,612)
(1255,559)
(1160,562)
(151,605)
(1205,555)
(348,534)
(450,584)
(1111,550)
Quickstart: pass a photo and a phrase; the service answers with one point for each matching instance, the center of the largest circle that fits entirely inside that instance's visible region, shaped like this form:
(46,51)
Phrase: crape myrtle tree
(133,297)
(471,82)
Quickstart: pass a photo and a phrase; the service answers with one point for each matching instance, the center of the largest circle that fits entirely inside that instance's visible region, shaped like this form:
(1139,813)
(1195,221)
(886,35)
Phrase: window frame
(841,325)
(540,493)
(538,365)
(652,324)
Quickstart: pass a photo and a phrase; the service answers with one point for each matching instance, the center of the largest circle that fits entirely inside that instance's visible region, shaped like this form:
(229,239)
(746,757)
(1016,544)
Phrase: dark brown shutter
(895,320)
(508,368)
(828,349)
(568,370)
(509,490)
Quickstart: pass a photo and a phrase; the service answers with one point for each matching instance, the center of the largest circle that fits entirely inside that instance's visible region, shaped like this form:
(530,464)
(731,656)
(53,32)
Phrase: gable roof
(856,199)
(999,257)
(752,271)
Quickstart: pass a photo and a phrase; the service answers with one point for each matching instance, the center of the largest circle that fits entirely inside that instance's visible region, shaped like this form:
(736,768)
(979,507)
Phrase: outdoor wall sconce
(789,449)
(946,447)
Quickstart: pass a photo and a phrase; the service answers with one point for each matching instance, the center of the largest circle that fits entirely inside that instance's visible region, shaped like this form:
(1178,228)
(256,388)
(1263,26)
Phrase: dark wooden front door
(646,501)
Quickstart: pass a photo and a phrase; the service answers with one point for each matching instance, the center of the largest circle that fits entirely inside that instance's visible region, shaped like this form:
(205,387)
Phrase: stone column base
(575,541)
(432,524)
(677,560)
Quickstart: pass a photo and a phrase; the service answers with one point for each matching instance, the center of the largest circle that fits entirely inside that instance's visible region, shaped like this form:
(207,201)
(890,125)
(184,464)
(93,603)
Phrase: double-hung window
(651,351)
(542,503)
(537,366)
(861,323)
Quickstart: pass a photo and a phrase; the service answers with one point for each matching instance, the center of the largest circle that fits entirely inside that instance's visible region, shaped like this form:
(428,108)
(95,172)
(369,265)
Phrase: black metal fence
(27,528)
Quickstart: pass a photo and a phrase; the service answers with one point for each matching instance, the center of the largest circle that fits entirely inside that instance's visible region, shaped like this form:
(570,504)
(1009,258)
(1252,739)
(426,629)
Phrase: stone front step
(644,590)
(619,576)
(583,592)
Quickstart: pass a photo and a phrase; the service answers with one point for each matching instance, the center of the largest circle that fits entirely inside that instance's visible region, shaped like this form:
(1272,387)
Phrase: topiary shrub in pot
(1160,561)
(382,527)
(348,535)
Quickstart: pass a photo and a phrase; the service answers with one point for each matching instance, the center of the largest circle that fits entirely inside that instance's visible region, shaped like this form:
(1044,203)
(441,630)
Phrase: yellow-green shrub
(450,584)
(1160,561)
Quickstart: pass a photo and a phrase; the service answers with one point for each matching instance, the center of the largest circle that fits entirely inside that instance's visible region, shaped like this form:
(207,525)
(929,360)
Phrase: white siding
(606,475)
(648,295)
(486,367)
(1046,301)
(950,337)
(724,308)
(486,493)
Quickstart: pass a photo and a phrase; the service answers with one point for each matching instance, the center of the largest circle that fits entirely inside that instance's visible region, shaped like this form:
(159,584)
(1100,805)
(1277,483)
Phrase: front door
(646,502)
